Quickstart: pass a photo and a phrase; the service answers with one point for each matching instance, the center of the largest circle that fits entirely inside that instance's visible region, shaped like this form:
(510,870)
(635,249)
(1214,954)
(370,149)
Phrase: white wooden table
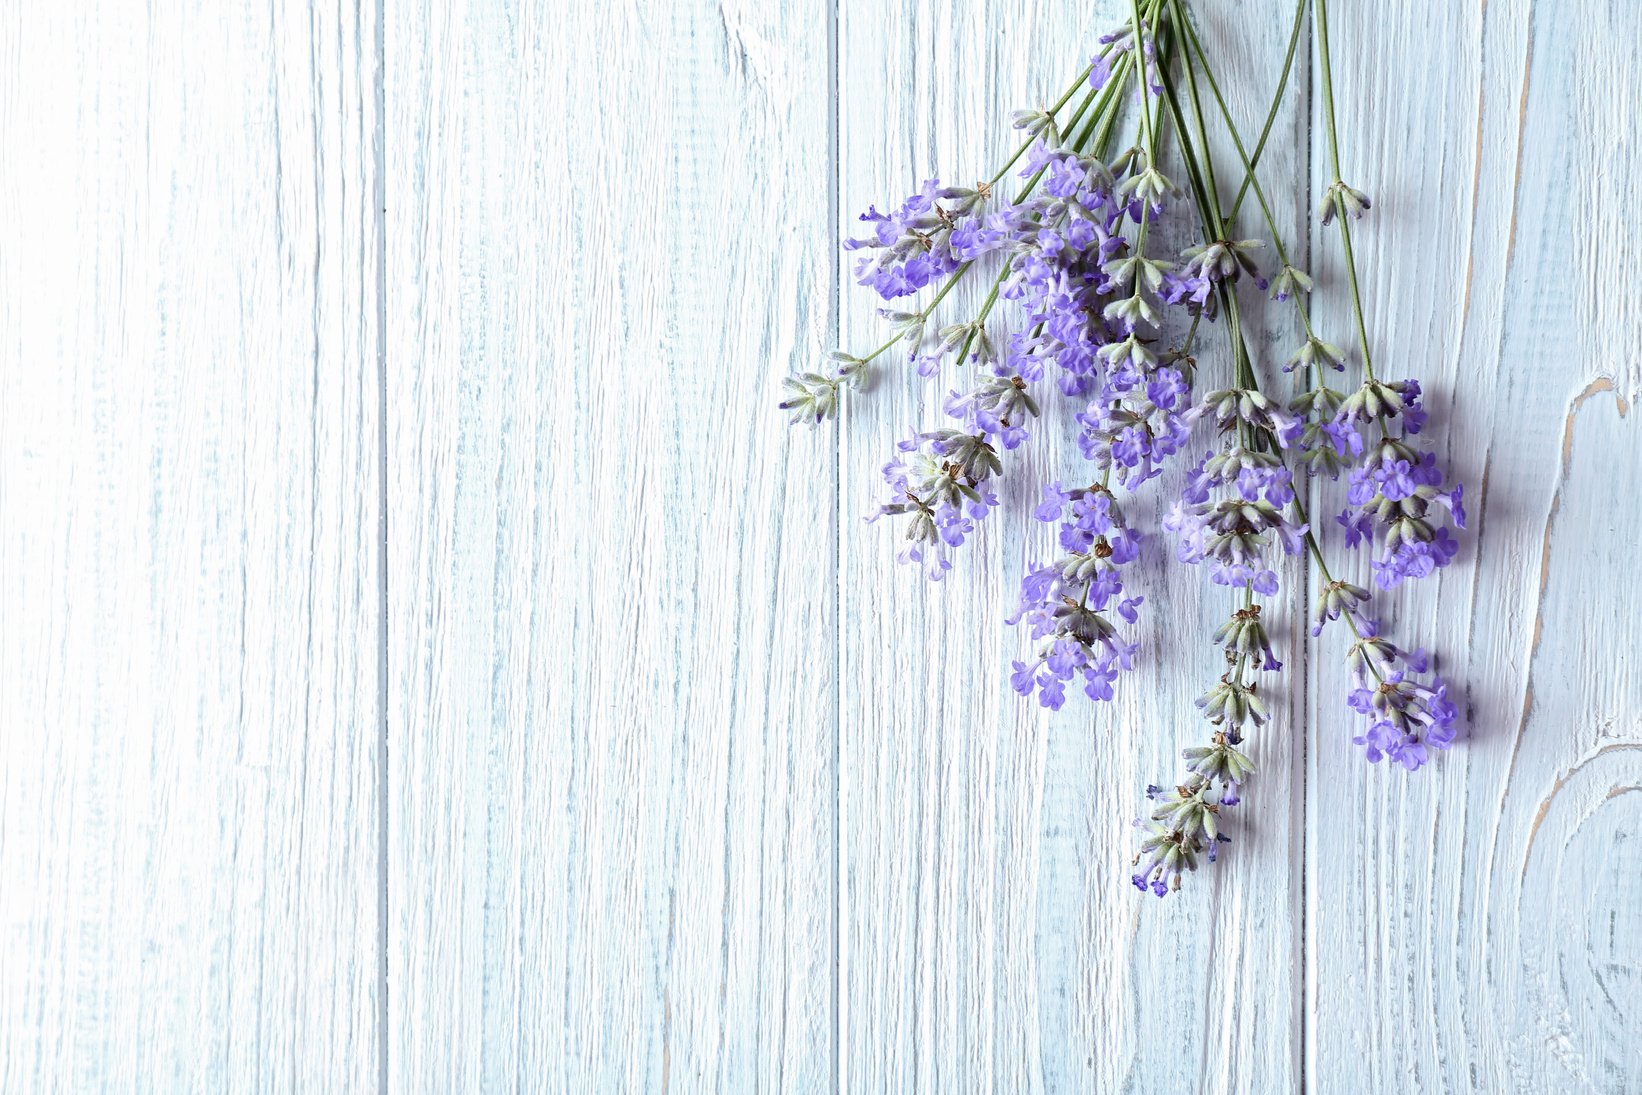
(429,663)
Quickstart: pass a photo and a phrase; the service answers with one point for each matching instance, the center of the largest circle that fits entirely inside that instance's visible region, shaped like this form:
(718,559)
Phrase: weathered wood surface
(190,548)
(1479,927)
(427,662)
(612,595)
(990,935)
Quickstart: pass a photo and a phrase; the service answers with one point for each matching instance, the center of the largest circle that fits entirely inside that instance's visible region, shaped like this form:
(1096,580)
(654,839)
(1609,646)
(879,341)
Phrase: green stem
(1356,295)
(1140,67)
(1051,111)
(1210,188)
(1334,164)
(1276,100)
(1328,88)
(1249,176)
(1201,172)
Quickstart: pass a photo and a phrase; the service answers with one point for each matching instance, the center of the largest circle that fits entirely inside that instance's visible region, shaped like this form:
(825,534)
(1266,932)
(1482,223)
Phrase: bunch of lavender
(1113,321)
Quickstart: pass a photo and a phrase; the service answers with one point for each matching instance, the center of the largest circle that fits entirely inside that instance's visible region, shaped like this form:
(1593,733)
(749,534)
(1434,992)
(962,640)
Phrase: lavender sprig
(925,239)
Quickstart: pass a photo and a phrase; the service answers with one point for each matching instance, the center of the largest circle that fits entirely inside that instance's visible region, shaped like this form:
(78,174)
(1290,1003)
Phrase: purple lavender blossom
(924,240)
(942,482)
(1407,716)
(1184,825)
(1119,43)
(1082,290)
(1396,496)
(1230,515)
(1142,416)
(995,408)
(1068,604)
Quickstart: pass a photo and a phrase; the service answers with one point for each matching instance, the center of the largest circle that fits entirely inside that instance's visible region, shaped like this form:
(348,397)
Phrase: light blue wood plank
(189,544)
(1475,925)
(612,566)
(992,937)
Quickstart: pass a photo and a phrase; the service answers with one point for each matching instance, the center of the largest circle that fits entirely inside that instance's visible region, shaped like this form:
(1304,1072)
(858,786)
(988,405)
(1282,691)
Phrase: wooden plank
(189,529)
(611,655)
(991,935)
(1475,926)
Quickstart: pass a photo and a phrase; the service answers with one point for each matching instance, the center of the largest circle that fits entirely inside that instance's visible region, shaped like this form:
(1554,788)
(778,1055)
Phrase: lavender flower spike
(1184,825)
(1069,603)
(1406,716)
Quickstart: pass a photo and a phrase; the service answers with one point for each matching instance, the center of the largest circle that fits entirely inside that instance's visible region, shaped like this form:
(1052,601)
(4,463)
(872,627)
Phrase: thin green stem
(1356,295)
(1276,101)
(1201,171)
(1188,152)
(1140,66)
(1209,186)
(952,280)
(1328,88)
(1334,165)
(1065,98)
(1250,178)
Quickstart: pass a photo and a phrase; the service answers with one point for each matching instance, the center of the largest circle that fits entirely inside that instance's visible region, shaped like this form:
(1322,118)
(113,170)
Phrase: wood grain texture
(612,587)
(1477,927)
(428,661)
(189,564)
(992,938)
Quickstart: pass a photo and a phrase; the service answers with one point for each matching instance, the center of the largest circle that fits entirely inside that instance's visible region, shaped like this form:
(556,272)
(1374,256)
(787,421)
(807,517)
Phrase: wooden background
(429,663)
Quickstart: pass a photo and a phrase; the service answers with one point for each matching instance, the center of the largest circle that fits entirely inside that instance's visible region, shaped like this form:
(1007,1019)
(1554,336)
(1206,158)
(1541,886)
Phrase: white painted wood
(1477,926)
(189,545)
(992,937)
(611,565)
(687,784)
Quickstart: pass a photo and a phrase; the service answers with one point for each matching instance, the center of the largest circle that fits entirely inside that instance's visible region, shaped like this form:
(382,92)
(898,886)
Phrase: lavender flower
(1141,417)
(813,397)
(942,483)
(1407,716)
(1326,446)
(915,244)
(1337,599)
(1184,825)
(1056,272)
(1394,489)
(1068,604)
(1231,513)
(1290,282)
(1340,198)
(1116,44)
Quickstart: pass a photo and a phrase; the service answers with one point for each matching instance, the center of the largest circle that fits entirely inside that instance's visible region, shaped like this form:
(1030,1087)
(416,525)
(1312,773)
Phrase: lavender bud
(1288,282)
(1234,705)
(1219,763)
(1315,352)
(1036,123)
(1340,198)
(909,326)
(1185,825)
